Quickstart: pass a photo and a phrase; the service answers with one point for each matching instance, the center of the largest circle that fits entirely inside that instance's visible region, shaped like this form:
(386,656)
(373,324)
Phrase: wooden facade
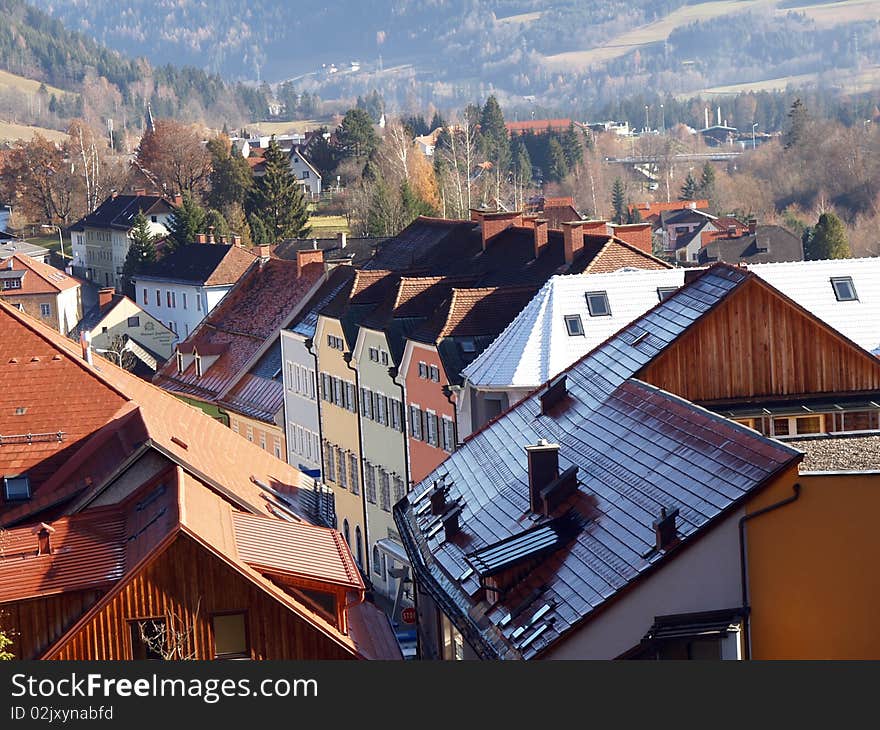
(759,344)
(191,584)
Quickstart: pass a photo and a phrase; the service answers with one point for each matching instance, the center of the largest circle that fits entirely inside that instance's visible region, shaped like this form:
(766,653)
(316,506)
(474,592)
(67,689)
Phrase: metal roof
(638,449)
(536,344)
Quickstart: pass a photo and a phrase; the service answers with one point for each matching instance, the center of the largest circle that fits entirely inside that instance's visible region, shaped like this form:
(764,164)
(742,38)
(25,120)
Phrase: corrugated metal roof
(809,284)
(295,549)
(536,344)
(638,449)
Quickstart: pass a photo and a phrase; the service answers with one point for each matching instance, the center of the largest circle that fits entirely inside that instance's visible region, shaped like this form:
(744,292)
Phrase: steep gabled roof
(34,276)
(767,245)
(119,211)
(107,417)
(536,344)
(637,449)
(201,264)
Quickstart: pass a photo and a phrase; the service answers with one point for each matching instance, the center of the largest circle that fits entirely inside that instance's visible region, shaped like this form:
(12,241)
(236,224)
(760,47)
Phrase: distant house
(100,241)
(41,291)
(182,288)
(303,170)
(538,126)
(427,142)
(10,245)
(760,244)
(118,321)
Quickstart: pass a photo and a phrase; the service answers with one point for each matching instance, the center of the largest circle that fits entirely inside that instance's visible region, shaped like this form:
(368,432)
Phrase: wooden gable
(757,343)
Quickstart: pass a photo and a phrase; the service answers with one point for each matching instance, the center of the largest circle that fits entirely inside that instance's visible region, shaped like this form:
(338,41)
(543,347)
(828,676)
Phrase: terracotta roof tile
(618,254)
(39,278)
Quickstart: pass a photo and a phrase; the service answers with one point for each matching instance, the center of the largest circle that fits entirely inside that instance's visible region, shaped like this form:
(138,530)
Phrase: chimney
(543,470)
(140,192)
(85,341)
(341,239)
(210,234)
(178,200)
(541,232)
(451,525)
(753,226)
(638,235)
(492,224)
(665,532)
(438,497)
(560,489)
(707,118)
(528,221)
(265,253)
(105,296)
(221,240)
(600,228)
(201,238)
(719,116)
(306,257)
(43,531)
(114,194)
(692,274)
(236,239)
(557,391)
(573,240)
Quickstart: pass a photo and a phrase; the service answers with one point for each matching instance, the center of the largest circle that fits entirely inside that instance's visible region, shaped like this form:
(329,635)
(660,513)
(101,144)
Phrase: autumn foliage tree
(175,154)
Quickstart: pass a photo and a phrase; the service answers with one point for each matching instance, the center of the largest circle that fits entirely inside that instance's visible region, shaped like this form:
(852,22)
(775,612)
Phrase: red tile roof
(617,254)
(106,414)
(476,312)
(39,278)
(538,125)
(239,327)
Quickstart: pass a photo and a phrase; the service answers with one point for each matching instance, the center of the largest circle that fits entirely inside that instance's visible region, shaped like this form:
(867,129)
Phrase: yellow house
(335,337)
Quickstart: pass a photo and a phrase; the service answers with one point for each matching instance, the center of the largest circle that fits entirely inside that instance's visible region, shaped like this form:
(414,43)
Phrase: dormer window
(179,363)
(597,303)
(198,361)
(16,488)
(574,325)
(844,289)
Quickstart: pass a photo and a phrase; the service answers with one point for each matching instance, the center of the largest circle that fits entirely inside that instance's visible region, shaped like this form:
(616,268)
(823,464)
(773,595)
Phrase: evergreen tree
(618,201)
(437,122)
(494,139)
(706,187)
(141,251)
(185,223)
(355,134)
(689,189)
(215,223)
(633,215)
(571,145)
(322,155)
(278,199)
(798,118)
(557,165)
(238,224)
(231,179)
(522,163)
(259,234)
(828,239)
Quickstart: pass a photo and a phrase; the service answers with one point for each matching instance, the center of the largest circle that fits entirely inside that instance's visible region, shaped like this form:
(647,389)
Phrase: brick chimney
(178,200)
(307,257)
(573,240)
(599,228)
(140,192)
(543,470)
(105,296)
(492,224)
(43,532)
(236,239)
(528,221)
(210,234)
(264,252)
(201,237)
(639,235)
(541,231)
(753,226)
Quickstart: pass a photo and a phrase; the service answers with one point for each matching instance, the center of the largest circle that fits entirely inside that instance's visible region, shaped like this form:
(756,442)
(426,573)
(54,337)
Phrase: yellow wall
(813,579)
(150,332)
(339,427)
(267,436)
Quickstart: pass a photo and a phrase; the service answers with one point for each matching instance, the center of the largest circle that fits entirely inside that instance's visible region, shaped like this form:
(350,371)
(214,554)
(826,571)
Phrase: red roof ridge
(49,275)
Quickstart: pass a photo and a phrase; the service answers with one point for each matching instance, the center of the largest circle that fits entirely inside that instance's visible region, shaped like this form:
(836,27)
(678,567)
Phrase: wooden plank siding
(755,344)
(190,583)
(37,623)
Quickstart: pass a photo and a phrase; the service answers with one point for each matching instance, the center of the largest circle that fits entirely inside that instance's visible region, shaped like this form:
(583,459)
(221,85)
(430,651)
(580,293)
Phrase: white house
(305,172)
(99,242)
(181,288)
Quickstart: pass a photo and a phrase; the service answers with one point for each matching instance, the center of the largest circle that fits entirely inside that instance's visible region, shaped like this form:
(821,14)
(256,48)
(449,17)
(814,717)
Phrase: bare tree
(171,638)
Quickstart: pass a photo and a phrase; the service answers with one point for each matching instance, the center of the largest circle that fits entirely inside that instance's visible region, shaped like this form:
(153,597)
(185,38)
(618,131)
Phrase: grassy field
(9,132)
(851,82)
(327,226)
(283,127)
(29,86)
(824,14)
(521,18)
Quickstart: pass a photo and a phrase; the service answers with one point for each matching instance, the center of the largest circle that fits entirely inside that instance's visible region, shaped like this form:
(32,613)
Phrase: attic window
(198,361)
(468,345)
(844,289)
(664,292)
(574,325)
(179,363)
(12,283)
(597,302)
(16,488)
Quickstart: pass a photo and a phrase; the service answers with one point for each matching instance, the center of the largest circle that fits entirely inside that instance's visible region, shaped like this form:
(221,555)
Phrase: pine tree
(259,234)
(828,239)
(707,183)
(689,189)
(185,223)
(278,199)
(798,118)
(238,224)
(618,201)
(231,179)
(495,141)
(355,134)
(558,167)
(633,215)
(216,223)
(141,251)
(437,122)
(571,144)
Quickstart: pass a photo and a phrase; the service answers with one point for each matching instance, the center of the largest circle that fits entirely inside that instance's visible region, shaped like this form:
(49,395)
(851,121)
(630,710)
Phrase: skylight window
(574,325)
(597,302)
(664,292)
(844,289)
(16,488)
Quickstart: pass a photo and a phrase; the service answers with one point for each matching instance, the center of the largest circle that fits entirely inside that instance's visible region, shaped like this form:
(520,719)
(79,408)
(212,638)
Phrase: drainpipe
(796,488)
(362,487)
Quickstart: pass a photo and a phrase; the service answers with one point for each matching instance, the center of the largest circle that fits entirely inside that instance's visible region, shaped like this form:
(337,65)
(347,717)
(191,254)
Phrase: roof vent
(543,472)
(556,392)
(438,496)
(43,531)
(560,489)
(180,442)
(665,529)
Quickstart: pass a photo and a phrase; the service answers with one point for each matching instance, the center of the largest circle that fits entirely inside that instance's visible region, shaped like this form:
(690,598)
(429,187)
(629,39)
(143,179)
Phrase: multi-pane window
(397,485)
(381,409)
(184,299)
(341,476)
(370,482)
(394,410)
(337,391)
(431,428)
(330,459)
(384,357)
(384,490)
(423,370)
(158,298)
(349,398)
(355,483)
(434,373)
(146,299)
(448,434)
(336,343)
(366,403)
(326,387)
(374,354)
(415,422)
(45,310)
